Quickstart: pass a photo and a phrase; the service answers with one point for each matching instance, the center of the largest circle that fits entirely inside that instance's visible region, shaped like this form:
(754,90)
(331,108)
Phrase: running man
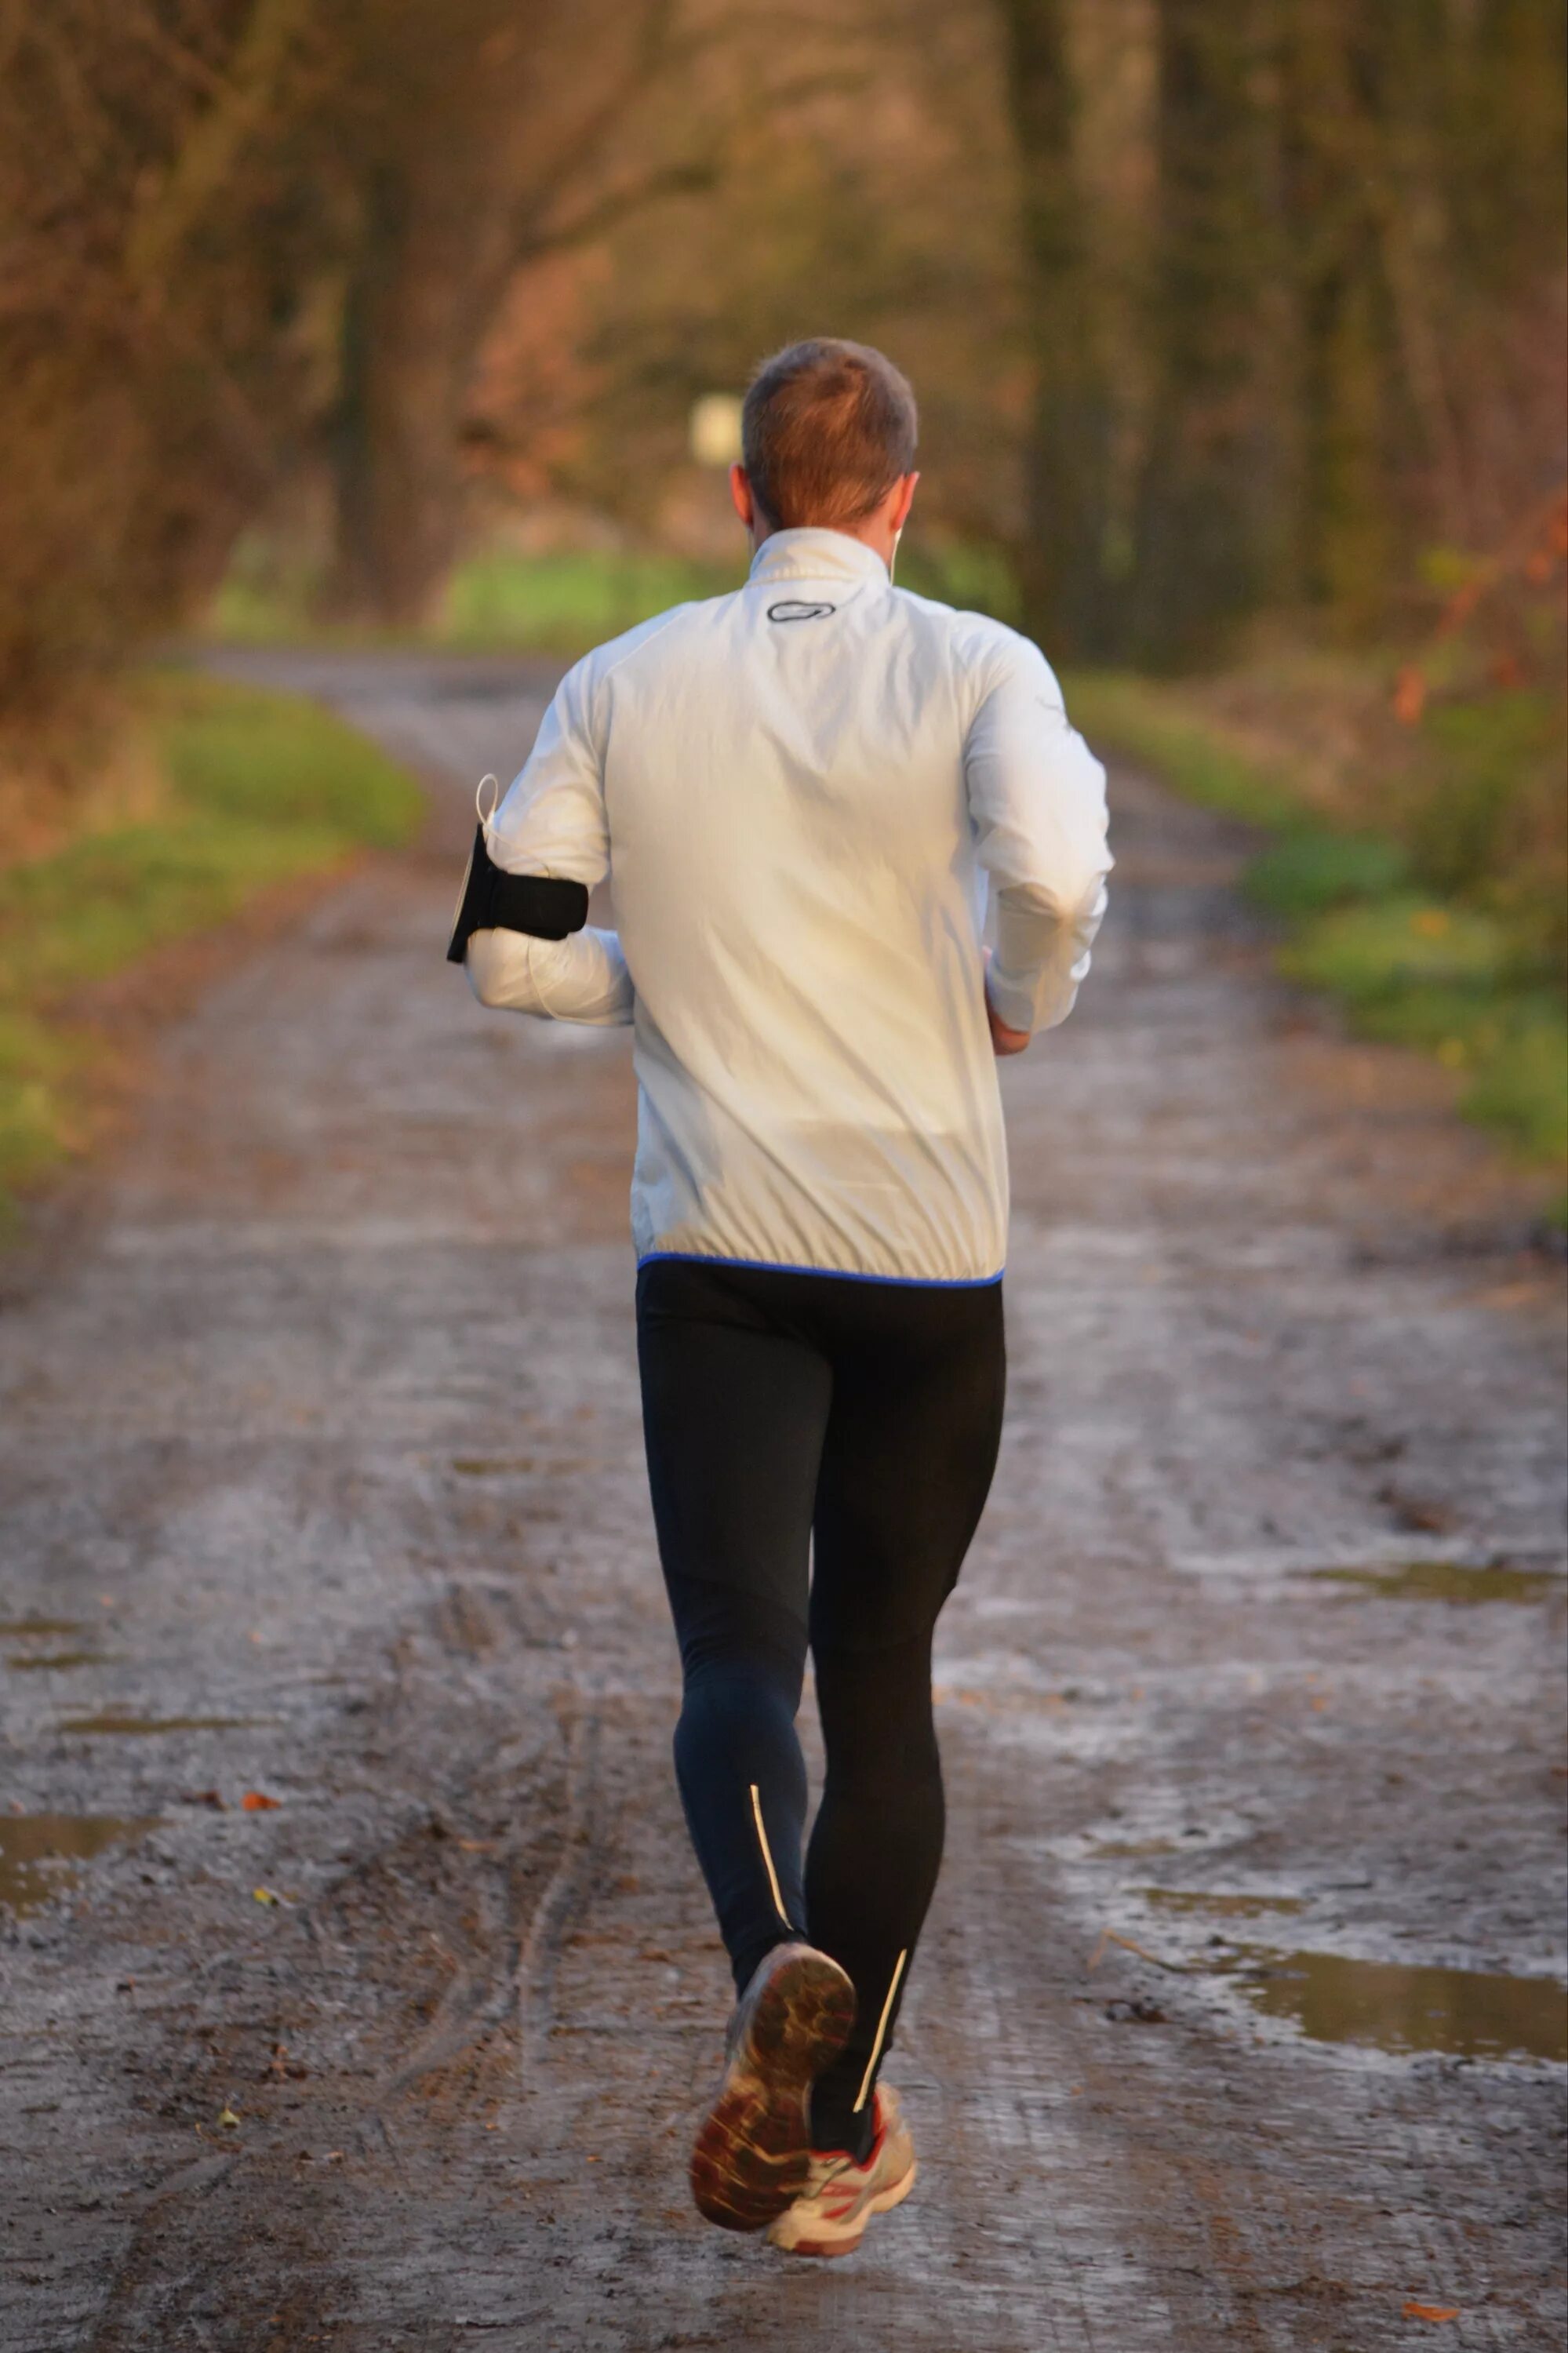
(819,798)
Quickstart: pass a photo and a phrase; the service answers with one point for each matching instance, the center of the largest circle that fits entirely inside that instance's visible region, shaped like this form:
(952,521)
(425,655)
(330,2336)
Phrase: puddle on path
(132,1725)
(1466,2014)
(12,1627)
(1221,1907)
(1447,1580)
(20,1663)
(38,1852)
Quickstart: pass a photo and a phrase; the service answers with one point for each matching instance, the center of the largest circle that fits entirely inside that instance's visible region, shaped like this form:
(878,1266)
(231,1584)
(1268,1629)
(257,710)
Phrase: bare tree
(487,140)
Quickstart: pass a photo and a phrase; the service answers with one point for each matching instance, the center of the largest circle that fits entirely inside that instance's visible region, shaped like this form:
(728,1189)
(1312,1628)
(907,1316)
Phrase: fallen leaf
(265,1896)
(1109,1937)
(1409,696)
(254,1802)
(226,2116)
(1413,2311)
(1418,1512)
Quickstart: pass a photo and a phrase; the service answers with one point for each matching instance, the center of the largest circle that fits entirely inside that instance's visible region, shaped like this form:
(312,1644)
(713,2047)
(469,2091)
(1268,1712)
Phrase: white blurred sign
(714,428)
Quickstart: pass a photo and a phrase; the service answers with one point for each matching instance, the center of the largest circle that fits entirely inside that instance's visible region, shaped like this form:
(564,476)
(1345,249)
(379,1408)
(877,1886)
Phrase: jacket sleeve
(1037,803)
(553,822)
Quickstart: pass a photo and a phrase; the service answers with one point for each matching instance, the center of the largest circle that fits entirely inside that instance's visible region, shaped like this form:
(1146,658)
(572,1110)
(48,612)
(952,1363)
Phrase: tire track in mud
(483,1973)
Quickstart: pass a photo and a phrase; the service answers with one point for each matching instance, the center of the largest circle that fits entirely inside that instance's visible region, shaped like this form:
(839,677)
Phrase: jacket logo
(793,610)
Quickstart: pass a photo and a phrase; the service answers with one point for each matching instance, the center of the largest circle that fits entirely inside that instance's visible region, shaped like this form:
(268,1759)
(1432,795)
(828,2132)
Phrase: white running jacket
(817,799)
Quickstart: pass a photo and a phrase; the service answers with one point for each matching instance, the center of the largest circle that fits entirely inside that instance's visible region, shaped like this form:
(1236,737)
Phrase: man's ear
(740,494)
(904,502)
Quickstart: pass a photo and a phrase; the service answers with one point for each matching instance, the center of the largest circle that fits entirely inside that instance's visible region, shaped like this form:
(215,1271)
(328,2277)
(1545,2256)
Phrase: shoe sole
(883,2204)
(751,2153)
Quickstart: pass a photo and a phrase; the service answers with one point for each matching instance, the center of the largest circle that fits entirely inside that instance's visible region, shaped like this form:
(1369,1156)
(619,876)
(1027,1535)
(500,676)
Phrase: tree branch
(207,160)
(689,178)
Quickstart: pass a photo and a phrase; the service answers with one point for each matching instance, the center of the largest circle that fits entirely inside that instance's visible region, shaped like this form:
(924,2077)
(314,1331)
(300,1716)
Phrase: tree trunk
(1215,535)
(409,344)
(1070,594)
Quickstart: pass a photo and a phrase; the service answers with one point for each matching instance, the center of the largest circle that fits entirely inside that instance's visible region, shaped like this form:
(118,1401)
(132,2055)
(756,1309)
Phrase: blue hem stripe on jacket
(833,1274)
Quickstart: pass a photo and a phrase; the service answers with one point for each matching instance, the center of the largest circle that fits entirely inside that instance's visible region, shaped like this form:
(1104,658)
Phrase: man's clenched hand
(1003,1039)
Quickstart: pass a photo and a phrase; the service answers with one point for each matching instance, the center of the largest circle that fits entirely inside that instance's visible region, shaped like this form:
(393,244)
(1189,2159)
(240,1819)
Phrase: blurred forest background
(1239,327)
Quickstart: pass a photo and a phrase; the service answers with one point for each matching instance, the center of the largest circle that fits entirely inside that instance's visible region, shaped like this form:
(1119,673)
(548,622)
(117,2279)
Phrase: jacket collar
(812,553)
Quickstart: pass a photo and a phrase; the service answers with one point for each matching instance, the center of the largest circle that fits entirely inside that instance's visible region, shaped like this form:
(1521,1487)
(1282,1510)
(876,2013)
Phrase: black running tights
(819,1450)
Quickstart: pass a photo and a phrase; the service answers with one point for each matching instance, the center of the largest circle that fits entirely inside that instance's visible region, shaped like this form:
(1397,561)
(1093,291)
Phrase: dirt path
(319,1450)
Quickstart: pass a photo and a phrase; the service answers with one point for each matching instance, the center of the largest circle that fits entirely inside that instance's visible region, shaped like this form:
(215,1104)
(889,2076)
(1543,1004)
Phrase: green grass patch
(1433,969)
(1309,870)
(1449,980)
(261,788)
(564,603)
(1389,950)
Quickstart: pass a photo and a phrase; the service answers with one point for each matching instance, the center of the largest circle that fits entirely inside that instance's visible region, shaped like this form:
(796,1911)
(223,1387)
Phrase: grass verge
(1449,973)
(257,789)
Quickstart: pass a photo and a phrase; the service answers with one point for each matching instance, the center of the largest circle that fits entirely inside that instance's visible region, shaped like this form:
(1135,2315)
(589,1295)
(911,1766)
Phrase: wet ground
(357,1989)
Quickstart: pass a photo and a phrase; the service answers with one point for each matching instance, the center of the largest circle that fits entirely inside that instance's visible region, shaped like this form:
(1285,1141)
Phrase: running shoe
(830,2216)
(754,2148)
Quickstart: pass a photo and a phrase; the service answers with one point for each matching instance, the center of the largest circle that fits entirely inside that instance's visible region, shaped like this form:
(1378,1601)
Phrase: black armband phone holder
(494,901)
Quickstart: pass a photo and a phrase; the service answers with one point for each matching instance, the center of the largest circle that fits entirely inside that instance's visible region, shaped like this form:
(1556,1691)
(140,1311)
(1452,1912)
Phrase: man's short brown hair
(827,429)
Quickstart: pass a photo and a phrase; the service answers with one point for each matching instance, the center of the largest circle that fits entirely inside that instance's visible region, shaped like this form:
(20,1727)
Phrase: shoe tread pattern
(753,2149)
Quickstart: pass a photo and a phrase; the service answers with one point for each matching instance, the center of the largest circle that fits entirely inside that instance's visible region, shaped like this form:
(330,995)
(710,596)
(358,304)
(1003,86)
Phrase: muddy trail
(1238,2022)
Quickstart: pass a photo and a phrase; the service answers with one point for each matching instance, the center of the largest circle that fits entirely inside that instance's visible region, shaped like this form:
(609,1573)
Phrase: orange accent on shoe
(840,2198)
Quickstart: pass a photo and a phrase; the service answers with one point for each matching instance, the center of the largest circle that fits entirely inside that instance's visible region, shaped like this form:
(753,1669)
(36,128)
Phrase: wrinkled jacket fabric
(817,800)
